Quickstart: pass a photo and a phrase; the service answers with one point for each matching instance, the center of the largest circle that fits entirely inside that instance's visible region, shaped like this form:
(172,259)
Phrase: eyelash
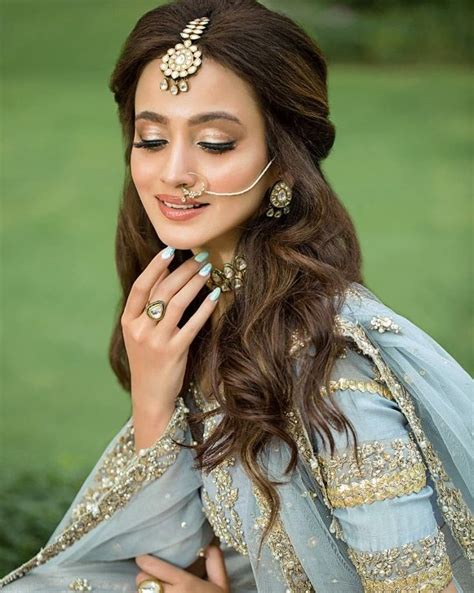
(217,148)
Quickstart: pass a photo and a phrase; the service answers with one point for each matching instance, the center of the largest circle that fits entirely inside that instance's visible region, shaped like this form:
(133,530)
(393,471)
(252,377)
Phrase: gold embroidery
(305,449)
(115,489)
(452,505)
(299,340)
(297,343)
(343,384)
(282,549)
(227,528)
(422,565)
(112,467)
(230,531)
(298,432)
(387,470)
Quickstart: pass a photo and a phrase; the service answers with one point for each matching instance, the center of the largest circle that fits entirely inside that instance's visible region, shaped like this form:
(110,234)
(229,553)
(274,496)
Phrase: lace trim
(416,566)
(115,487)
(452,505)
(387,470)
(282,549)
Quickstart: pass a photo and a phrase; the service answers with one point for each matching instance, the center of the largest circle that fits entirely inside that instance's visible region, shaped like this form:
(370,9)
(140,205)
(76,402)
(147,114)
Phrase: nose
(175,167)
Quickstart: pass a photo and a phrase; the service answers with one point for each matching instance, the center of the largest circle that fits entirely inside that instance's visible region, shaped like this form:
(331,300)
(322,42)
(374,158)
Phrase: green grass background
(400,163)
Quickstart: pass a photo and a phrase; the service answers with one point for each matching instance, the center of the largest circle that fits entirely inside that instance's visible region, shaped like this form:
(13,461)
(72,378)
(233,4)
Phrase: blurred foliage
(400,164)
(388,32)
(31,505)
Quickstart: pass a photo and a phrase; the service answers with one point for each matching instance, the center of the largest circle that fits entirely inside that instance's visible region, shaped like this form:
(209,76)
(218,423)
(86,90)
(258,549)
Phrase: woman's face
(183,147)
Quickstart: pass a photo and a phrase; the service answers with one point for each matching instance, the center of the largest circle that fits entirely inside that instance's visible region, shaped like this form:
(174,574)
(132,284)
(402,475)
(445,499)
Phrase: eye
(149,144)
(219,148)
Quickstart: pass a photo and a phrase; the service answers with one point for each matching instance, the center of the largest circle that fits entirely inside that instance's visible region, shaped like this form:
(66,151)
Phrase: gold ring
(156,310)
(150,586)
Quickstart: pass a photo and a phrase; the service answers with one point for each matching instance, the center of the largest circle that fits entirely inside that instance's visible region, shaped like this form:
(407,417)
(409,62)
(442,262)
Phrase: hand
(176,580)
(157,351)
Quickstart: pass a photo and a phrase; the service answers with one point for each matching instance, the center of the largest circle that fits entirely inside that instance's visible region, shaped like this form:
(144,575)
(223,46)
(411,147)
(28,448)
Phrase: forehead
(212,88)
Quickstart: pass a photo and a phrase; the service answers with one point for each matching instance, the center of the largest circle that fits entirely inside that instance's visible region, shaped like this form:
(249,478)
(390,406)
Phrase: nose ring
(187,193)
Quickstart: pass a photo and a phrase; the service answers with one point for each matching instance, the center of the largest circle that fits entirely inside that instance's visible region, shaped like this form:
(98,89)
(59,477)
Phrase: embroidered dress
(401,521)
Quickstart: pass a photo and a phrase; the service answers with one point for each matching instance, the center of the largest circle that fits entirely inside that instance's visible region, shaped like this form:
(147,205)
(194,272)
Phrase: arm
(130,504)
(149,423)
(383,508)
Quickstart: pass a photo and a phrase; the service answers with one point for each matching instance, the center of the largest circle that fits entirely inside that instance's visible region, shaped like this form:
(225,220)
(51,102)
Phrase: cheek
(234,210)
(237,172)
(142,172)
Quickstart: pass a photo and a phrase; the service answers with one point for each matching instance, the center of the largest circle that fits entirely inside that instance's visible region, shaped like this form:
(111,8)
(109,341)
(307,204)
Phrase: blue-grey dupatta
(162,513)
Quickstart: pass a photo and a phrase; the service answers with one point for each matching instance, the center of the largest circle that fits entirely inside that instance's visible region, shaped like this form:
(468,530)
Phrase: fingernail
(204,271)
(200,257)
(168,252)
(215,294)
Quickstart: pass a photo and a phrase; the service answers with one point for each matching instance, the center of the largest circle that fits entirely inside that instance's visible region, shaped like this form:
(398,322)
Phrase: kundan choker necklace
(230,277)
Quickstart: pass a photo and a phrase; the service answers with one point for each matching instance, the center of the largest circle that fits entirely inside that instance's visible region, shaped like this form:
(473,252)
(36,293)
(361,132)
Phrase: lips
(178,200)
(180,214)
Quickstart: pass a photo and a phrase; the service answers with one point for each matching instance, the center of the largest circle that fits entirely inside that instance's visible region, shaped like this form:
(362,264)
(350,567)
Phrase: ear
(277,174)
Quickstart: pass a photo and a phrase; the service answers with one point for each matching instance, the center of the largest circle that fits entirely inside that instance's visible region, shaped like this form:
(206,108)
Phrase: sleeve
(130,504)
(384,507)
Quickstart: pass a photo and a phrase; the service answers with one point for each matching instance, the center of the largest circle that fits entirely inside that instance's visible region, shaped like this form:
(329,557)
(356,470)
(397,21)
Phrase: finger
(179,301)
(191,328)
(215,567)
(142,286)
(160,569)
(142,576)
(168,288)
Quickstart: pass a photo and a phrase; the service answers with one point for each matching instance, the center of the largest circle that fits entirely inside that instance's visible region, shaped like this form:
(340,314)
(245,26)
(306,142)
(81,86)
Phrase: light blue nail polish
(200,257)
(215,294)
(168,252)
(204,271)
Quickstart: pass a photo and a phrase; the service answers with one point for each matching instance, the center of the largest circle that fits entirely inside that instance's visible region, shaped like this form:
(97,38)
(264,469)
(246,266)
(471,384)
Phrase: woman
(318,434)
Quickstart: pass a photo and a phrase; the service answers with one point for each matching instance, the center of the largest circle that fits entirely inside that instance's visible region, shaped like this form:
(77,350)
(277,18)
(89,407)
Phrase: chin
(180,240)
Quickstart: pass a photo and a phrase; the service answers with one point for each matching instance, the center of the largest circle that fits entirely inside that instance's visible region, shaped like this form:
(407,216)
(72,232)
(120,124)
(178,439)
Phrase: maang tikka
(184,59)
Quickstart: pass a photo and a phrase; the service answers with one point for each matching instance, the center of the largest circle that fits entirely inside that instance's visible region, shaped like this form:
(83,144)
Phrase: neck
(220,251)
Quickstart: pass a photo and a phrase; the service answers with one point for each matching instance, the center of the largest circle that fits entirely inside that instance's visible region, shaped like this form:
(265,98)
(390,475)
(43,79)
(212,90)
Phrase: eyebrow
(195,120)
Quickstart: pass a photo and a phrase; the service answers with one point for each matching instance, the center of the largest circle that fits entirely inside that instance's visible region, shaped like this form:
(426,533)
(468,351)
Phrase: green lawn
(400,164)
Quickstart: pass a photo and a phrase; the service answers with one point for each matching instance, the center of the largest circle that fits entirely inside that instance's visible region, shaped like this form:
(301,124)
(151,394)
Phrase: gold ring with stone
(151,586)
(156,310)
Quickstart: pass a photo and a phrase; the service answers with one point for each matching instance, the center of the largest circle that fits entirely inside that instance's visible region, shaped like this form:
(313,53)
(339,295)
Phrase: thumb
(215,567)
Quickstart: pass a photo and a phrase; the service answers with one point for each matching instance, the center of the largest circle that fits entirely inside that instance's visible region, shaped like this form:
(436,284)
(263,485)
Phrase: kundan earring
(280,198)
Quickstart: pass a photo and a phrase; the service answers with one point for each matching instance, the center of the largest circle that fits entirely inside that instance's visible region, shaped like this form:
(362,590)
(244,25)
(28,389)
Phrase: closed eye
(154,145)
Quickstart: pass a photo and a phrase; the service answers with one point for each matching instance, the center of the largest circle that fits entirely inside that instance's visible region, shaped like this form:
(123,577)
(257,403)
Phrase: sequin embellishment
(384,324)
(220,509)
(388,469)
(343,384)
(114,489)
(451,502)
(422,565)
(80,585)
(282,549)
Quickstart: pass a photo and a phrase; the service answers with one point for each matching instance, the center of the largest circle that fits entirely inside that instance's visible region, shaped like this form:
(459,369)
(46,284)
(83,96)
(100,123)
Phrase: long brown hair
(299,265)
